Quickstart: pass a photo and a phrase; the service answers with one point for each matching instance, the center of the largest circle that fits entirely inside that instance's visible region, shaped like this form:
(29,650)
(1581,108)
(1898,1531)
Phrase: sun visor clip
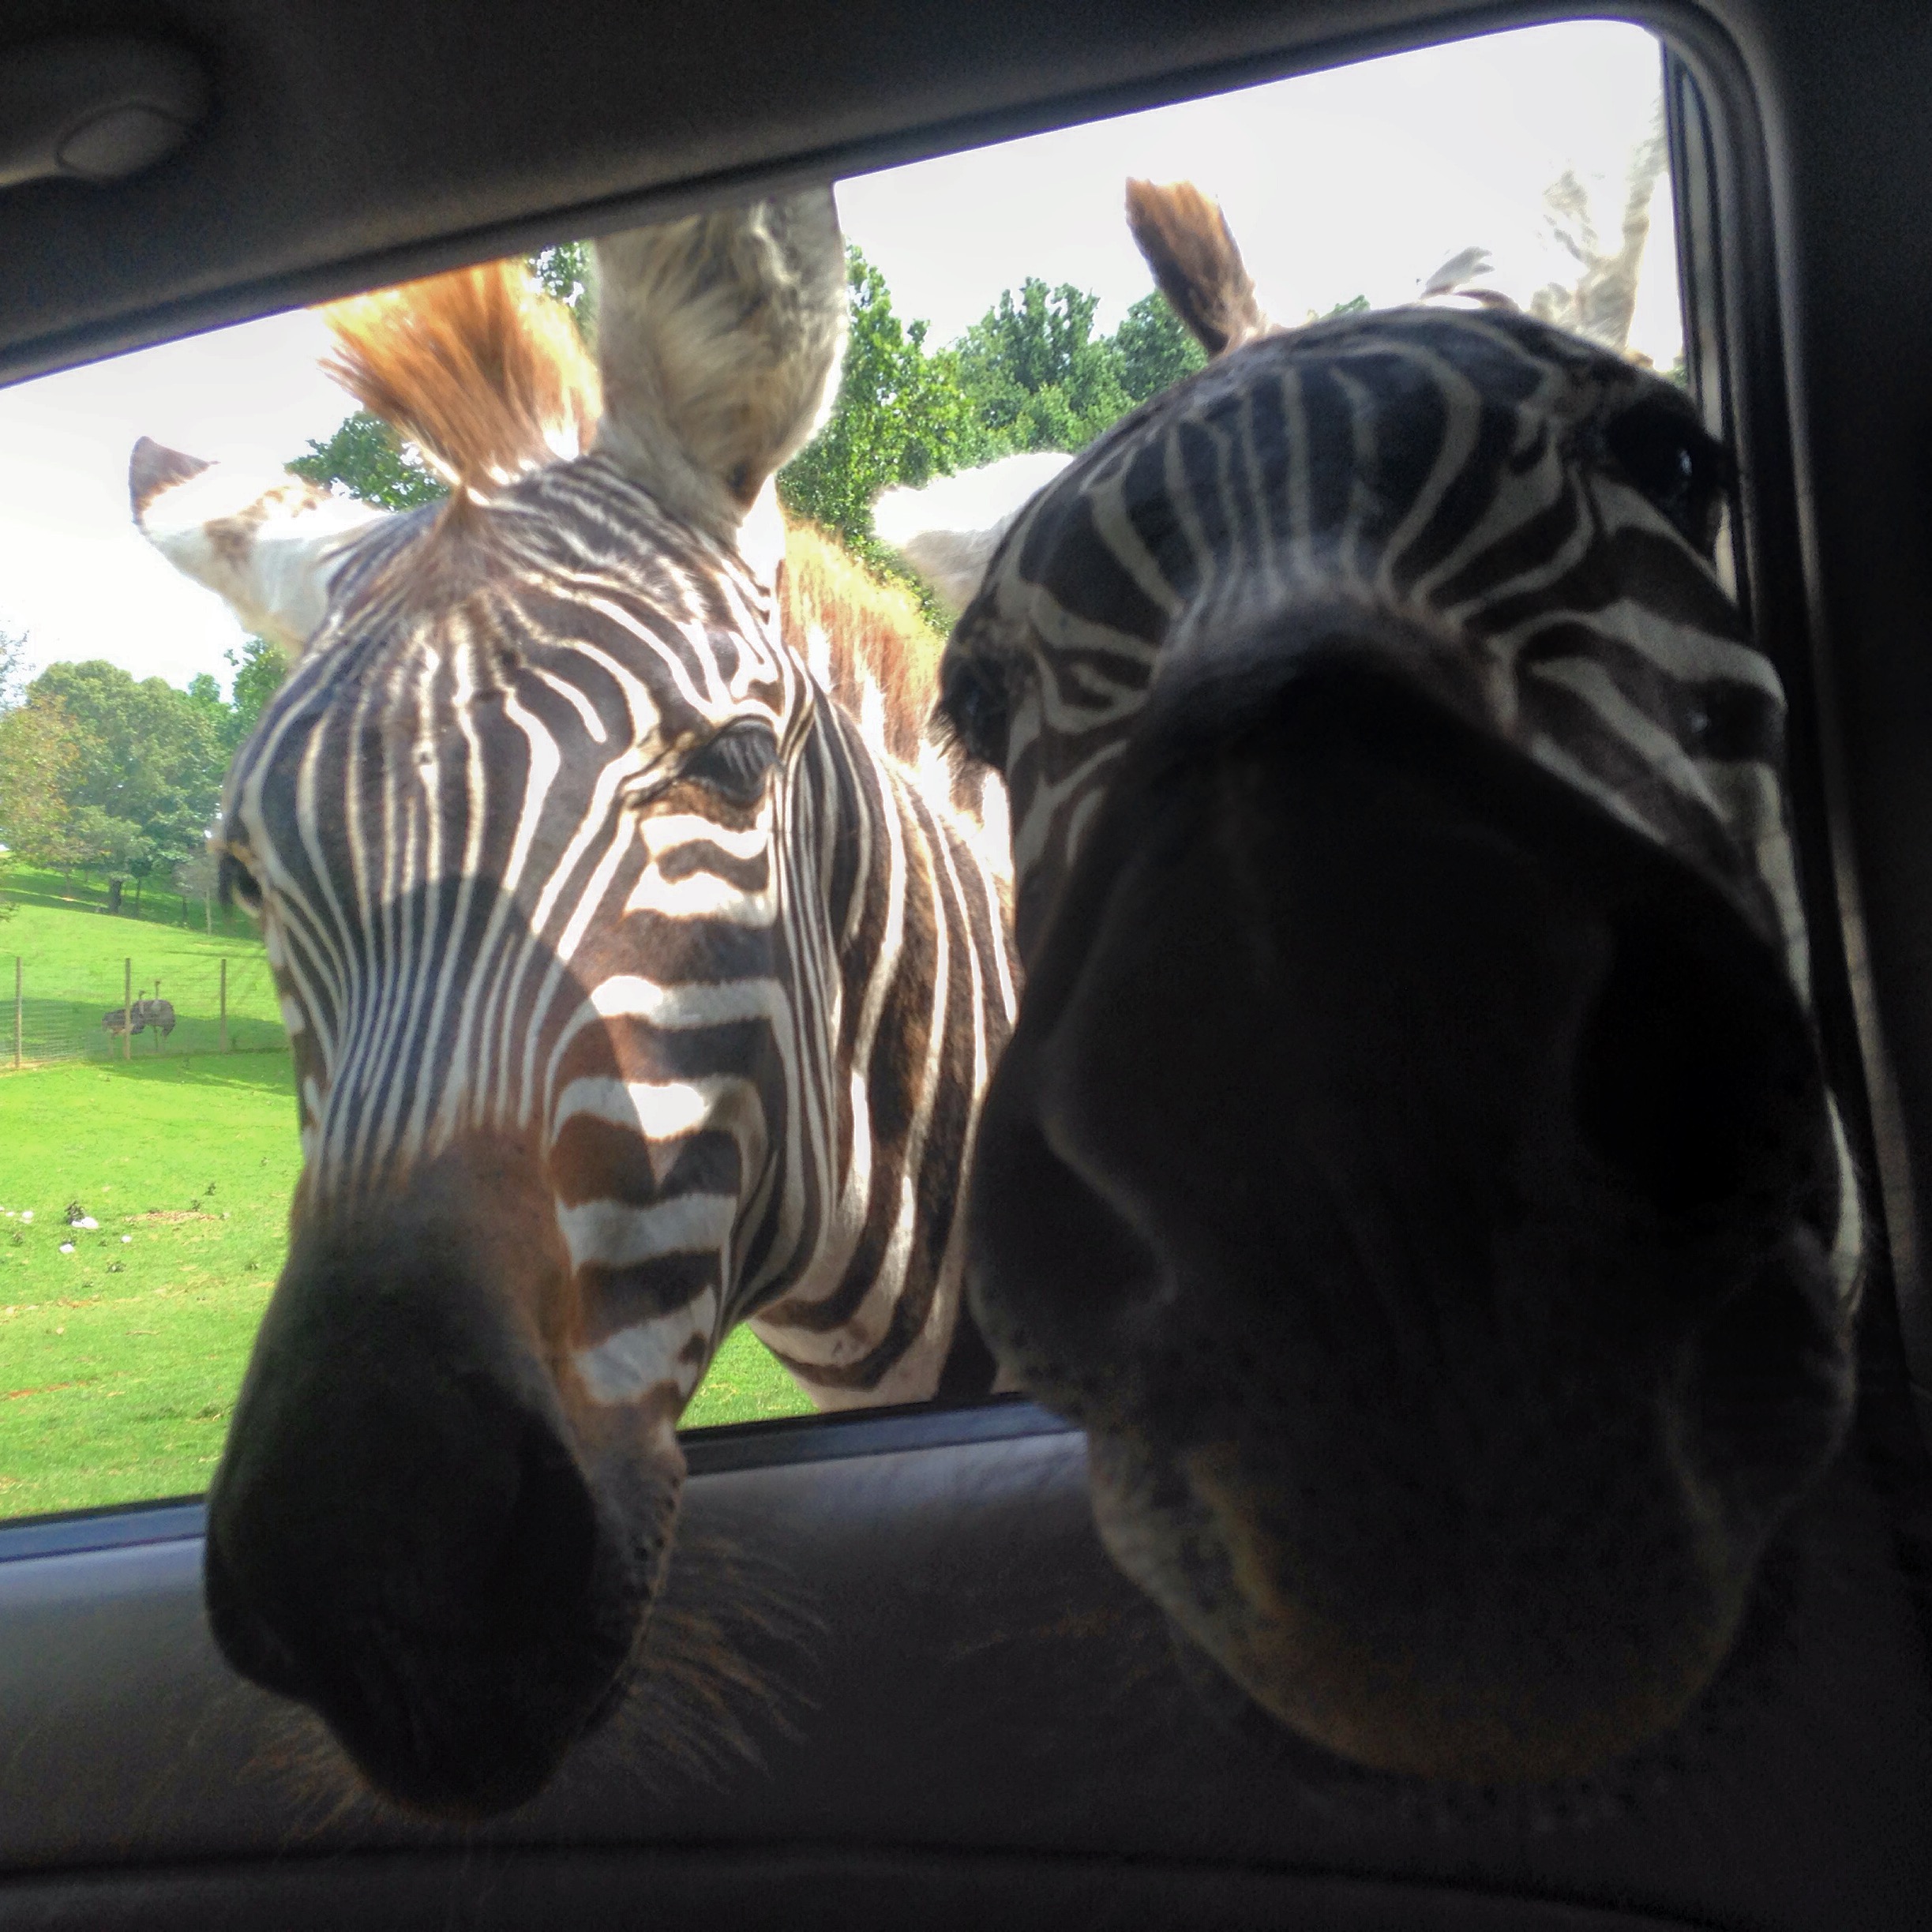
(96,110)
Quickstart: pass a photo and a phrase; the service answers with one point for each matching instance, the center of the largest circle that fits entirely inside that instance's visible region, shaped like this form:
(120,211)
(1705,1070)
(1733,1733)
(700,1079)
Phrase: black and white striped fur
(1412,1164)
(634,991)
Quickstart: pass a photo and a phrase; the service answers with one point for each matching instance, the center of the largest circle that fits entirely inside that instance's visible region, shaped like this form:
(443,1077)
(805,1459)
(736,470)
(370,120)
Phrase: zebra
(1413,1165)
(634,990)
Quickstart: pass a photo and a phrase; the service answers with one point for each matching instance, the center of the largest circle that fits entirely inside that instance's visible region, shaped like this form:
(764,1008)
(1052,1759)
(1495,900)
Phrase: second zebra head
(1413,1165)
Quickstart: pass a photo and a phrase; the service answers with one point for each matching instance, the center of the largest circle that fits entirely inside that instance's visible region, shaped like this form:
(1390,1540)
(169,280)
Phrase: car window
(150,1105)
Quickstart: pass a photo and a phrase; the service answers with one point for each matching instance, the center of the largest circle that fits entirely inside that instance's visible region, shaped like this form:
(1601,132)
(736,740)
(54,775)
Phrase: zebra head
(590,918)
(1412,1165)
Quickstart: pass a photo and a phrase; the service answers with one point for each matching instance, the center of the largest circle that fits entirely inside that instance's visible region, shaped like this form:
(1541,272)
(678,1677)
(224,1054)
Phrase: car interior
(910,1689)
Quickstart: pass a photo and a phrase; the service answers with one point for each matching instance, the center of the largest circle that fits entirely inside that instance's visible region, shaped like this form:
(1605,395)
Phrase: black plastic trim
(865,1432)
(1739,326)
(707,1452)
(177,1519)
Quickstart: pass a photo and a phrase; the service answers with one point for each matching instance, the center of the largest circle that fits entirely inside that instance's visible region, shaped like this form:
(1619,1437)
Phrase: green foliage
(564,271)
(1036,376)
(40,759)
(99,771)
(146,784)
(1154,351)
(1355,305)
(13,663)
(1030,374)
(13,667)
(363,458)
(259,668)
(900,417)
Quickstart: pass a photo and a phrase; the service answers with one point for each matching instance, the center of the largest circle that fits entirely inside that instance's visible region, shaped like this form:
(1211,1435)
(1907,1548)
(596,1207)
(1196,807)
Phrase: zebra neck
(922,997)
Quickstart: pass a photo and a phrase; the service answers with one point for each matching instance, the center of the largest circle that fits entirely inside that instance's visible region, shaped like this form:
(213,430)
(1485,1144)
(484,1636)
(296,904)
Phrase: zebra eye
(235,883)
(1683,470)
(974,710)
(735,764)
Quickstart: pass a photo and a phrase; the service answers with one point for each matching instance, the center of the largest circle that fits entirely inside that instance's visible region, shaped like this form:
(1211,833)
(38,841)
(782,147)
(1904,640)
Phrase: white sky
(1359,181)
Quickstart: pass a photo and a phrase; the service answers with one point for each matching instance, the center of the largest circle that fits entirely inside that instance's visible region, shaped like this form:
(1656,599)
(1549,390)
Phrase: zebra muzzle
(409,1530)
(1422,1187)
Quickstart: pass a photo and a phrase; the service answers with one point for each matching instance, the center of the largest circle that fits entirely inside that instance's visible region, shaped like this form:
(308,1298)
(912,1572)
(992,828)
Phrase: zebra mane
(480,369)
(857,634)
(1184,239)
(487,376)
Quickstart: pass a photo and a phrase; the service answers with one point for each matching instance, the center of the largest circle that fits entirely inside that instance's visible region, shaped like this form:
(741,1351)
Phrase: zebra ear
(1188,247)
(265,545)
(949,530)
(719,338)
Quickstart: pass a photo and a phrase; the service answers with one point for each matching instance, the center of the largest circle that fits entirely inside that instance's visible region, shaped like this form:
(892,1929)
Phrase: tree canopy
(1030,374)
(148,784)
(99,770)
(364,458)
(12,667)
(901,416)
(1036,375)
(259,668)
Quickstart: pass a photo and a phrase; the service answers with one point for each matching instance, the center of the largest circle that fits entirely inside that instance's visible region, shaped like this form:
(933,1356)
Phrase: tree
(199,877)
(902,416)
(40,760)
(146,786)
(563,271)
(12,659)
(1152,350)
(364,459)
(259,668)
(13,667)
(1036,376)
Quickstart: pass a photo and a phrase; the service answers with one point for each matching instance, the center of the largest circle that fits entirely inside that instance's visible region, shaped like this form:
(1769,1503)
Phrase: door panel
(941,1683)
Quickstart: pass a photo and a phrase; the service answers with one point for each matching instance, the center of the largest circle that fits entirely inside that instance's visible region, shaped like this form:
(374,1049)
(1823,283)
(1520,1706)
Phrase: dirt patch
(48,1388)
(170,1215)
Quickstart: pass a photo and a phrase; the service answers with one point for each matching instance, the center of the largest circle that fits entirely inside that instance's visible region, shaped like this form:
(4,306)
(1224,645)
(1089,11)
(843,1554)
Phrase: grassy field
(74,961)
(121,1345)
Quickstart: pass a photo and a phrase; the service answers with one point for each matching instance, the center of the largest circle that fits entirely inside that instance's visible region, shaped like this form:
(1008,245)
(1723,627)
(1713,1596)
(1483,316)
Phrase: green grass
(119,1361)
(74,966)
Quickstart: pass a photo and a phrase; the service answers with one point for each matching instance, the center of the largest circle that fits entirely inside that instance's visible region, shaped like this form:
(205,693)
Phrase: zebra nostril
(548,1563)
(1692,1081)
(242,1635)
(1085,1267)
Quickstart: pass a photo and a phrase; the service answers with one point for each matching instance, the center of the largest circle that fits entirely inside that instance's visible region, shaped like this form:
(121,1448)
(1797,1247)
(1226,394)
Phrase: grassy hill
(74,963)
(121,1345)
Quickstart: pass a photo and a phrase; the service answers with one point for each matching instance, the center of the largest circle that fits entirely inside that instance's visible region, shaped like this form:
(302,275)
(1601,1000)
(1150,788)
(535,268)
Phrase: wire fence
(112,1010)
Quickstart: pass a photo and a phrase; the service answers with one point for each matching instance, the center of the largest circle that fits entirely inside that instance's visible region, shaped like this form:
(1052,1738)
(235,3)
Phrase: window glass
(149,1142)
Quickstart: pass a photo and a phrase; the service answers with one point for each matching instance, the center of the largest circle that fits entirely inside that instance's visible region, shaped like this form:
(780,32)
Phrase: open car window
(149,1107)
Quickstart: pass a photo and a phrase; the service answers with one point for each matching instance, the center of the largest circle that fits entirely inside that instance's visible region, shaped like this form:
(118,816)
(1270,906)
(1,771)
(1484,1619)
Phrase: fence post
(224,1002)
(16,1011)
(127,1009)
